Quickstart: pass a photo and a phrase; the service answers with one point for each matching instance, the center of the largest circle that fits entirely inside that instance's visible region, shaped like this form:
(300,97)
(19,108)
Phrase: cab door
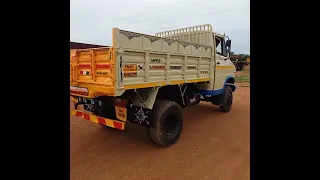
(224,66)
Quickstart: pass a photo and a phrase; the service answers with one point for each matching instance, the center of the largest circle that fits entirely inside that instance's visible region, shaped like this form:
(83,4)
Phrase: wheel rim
(171,126)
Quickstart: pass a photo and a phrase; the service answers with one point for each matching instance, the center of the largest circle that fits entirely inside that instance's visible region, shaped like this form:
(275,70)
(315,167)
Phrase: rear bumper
(94,90)
(99,120)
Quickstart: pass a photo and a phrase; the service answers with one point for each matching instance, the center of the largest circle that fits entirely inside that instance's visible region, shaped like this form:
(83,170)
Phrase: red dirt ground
(212,146)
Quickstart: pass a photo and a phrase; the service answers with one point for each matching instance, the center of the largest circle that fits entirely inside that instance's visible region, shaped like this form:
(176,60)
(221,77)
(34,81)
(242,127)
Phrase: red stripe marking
(85,66)
(78,113)
(81,72)
(86,116)
(117,125)
(101,66)
(101,121)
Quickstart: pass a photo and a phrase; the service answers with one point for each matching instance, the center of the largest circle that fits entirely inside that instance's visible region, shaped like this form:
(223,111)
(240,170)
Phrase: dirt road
(212,146)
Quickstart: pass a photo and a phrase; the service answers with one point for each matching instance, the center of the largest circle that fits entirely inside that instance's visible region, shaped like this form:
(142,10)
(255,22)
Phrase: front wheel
(227,99)
(167,123)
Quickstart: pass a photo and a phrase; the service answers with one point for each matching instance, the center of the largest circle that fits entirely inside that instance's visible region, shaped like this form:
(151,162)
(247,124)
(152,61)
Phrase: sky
(92,21)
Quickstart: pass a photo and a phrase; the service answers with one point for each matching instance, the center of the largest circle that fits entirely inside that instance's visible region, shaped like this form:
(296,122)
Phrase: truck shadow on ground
(93,144)
(137,136)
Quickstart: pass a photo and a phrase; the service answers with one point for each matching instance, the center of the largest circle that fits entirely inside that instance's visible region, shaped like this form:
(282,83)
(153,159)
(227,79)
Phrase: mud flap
(146,97)
(142,105)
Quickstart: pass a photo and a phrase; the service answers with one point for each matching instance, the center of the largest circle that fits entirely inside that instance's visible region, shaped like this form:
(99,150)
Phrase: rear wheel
(227,99)
(167,123)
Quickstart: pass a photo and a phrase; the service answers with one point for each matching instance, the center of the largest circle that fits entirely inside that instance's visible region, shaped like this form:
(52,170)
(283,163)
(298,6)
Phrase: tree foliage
(244,56)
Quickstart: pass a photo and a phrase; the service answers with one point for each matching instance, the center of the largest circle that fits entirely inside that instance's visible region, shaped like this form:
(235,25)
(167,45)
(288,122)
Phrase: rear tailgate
(92,71)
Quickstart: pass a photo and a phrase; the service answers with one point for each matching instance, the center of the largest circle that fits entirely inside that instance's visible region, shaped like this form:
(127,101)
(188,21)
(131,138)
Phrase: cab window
(220,46)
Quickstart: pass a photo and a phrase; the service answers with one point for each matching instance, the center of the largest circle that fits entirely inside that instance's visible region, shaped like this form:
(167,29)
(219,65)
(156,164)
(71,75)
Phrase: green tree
(244,56)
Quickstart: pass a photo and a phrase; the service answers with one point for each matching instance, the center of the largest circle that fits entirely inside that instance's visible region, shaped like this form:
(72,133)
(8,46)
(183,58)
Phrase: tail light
(119,102)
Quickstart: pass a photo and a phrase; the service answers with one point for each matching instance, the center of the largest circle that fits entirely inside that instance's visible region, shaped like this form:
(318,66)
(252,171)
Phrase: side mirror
(228,47)
(228,43)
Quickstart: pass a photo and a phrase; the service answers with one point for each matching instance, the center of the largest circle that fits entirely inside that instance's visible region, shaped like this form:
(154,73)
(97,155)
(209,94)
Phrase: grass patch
(244,75)
(242,78)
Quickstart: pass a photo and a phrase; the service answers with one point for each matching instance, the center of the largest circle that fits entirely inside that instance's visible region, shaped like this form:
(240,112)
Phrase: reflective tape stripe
(99,120)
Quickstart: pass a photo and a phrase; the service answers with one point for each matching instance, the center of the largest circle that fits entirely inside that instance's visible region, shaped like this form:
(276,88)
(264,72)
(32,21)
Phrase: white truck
(147,80)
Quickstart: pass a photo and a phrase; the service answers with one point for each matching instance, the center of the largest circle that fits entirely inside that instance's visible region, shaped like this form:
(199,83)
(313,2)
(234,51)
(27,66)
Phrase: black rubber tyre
(167,121)
(227,99)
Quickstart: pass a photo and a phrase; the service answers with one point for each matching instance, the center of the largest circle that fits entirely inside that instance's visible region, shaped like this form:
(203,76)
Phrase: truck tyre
(167,123)
(227,99)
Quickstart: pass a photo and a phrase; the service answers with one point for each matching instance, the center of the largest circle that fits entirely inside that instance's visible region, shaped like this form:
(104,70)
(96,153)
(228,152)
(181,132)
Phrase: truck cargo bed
(138,61)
